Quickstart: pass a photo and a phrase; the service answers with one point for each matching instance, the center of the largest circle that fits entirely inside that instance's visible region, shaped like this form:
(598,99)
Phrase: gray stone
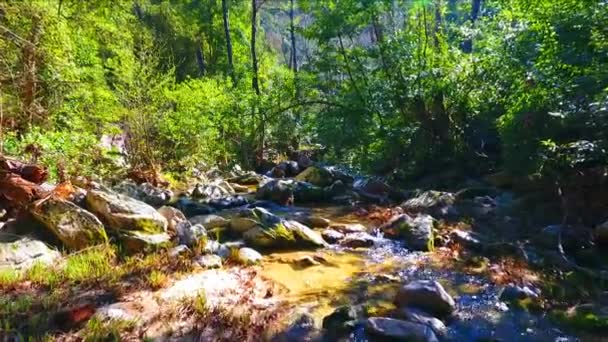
(317,176)
(514,293)
(419,316)
(357,240)
(435,203)
(190,235)
(178,250)
(20,253)
(279,191)
(427,295)
(416,232)
(265,217)
(210,221)
(138,241)
(249,256)
(74,226)
(241,225)
(348,227)
(125,213)
(331,235)
(399,330)
(173,216)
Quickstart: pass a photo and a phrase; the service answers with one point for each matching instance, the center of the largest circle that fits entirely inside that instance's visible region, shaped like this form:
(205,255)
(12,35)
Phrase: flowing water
(372,276)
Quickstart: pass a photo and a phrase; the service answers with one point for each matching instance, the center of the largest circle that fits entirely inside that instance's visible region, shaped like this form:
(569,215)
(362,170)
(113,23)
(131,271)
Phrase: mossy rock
(317,176)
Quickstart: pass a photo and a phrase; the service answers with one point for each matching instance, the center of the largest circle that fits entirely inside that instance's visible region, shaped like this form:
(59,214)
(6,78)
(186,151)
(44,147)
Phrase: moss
(581,320)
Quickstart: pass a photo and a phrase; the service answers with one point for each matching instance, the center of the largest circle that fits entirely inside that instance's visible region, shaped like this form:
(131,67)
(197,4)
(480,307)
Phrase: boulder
(193,208)
(373,187)
(279,191)
(304,235)
(20,253)
(398,330)
(421,317)
(173,216)
(178,250)
(247,178)
(238,188)
(304,162)
(311,220)
(122,213)
(210,191)
(341,322)
(145,192)
(466,239)
(348,227)
(317,176)
(286,234)
(240,225)
(427,295)
(190,235)
(210,221)
(337,188)
(306,192)
(227,202)
(416,232)
(305,262)
(74,226)
(265,217)
(358,240)
(513,293)
(435,203)
(332,236)
(249,256)
(140,241)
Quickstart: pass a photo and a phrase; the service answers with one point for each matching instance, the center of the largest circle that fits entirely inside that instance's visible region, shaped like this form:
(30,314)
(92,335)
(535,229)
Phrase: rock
(358,240)
(317,176)
(601,233)
(304,235)
(348,227)
(340,322)
(421,317)
(466,239)
(427,295)
(306,192)
(337,188)
(248,178)
(145,192)
(290,168)
(240,225)
(513,293)
(139,241)
(304,162)
(301,329)
(210,191)
(279,191)
(20,253)
(265,217)
(263,238)
(399,330)
(239,188)
(74,226)
(331,235)
(209,261)
(311,220)
(249,256)
(190,235)
(178,250)
(125,213)
(227,202)
(306,261)
(193,208)
(276,172)
(173,216)
(210,221)
(373,187)
(435,203)
(416,232)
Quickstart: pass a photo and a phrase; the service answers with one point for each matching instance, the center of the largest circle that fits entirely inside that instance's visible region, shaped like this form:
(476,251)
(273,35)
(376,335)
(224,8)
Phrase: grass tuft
(157,280)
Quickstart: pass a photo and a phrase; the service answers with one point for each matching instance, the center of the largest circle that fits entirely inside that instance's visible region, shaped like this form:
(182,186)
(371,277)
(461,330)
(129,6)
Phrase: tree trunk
(467,45)
(294,57)
(200,58)
(254,57)
(228,40)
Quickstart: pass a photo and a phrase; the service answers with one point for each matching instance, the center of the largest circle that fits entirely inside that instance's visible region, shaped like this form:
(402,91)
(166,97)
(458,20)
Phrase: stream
(371,277)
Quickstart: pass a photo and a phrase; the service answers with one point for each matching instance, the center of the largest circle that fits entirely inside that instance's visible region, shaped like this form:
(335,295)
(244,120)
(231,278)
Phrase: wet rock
(573,237)
(601,233)
(239,188)
(174,217)
(332,236)
(249,256)
(306,261)
(337,188)
(286,234)
(466,239)
(211,191)
(20,253)
(421,317)
(435,203)
(373,187)
(125,213)
(301,329)
(241,225)
(416,232)
(74,226)
(265,217)
(513,293)
(304,235)
(348,227)
(306,192)
(178,250)
(227,202)
(427,295)
(279,191)
(317,176)
(140,241)
(276,172)
(210,221)
(304,162)
(209,261)
(311,220)
(399,330)
(193,208)
(341,322)
(357,240)
(190,235)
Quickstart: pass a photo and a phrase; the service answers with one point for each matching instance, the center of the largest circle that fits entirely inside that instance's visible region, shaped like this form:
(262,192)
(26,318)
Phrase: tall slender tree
(228,39)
